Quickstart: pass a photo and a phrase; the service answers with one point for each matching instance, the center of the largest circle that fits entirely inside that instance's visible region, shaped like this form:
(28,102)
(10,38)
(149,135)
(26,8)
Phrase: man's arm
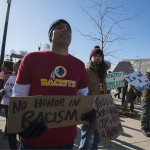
(20,90)
(16,56)
(83,91)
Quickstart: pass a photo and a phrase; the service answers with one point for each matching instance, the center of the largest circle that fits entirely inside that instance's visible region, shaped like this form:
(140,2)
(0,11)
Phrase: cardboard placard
(60,111)
(138,80)
(57,111)
(114,80)
(109,125)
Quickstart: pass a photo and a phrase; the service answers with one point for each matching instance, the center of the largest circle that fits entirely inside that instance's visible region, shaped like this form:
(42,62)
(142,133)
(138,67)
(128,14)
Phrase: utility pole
(5,34)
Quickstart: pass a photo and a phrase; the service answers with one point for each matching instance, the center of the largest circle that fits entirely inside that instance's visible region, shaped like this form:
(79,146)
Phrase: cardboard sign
(109,125)
(138,80)
(60,111)
(57,111)
(114,80)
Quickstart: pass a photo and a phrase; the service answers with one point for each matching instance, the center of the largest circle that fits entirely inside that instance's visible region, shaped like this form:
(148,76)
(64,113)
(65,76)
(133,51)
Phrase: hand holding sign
(57,111)
(70,109)
(89,116)
(114,80)
(36,128)
(138,80)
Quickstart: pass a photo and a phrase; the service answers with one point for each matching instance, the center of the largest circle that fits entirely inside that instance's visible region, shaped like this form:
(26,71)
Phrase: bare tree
(14,55)
(109,18)
(12,51)
(22,52)
(47,46)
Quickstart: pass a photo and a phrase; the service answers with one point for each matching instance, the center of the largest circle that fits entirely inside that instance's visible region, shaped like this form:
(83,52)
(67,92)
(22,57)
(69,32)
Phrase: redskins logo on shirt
(60,72)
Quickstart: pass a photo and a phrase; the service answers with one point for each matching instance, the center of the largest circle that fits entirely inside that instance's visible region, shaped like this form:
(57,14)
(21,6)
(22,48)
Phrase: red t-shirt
(52,74)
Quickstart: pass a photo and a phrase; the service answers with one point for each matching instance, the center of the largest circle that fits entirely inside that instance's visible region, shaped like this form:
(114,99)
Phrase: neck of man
(60,49)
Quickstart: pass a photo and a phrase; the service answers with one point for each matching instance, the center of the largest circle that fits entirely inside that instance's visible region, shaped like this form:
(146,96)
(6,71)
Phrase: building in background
(142,65)
(124,66)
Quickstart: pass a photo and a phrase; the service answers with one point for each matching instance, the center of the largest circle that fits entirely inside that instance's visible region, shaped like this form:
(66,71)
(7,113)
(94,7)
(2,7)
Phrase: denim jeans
(89,138)
(69,146)
(145,116)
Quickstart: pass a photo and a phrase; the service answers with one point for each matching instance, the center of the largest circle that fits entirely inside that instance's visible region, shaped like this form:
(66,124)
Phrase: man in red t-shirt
(51,72)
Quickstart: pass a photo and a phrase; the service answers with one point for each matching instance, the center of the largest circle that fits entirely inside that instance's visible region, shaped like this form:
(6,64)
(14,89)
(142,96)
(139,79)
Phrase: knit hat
(9,64)
(55,23)
(96,50)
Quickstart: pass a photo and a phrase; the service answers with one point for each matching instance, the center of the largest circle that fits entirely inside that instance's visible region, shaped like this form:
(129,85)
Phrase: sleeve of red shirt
(83,82)
(24,74)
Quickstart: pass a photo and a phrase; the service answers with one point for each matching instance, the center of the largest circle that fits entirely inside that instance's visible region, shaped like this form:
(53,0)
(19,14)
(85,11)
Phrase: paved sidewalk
(132,138)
